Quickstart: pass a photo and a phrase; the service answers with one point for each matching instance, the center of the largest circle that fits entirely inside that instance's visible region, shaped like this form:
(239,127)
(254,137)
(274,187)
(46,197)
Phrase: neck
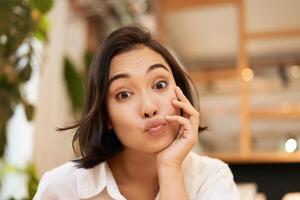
(135,167)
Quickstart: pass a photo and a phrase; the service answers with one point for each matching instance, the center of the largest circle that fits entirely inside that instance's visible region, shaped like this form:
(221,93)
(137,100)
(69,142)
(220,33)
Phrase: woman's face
(141,87)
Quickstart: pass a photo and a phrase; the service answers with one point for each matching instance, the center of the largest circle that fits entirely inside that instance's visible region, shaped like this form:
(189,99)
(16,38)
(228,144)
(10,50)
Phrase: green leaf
(43,24)
(41,30)
(25,73)
(5,12)
(42,5)
(2,142)
(88,57)
(32,180)
(40,35)
(29,111)
(74,84)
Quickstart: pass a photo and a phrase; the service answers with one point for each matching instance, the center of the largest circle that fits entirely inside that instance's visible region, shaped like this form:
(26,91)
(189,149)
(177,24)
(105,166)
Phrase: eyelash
(118,96)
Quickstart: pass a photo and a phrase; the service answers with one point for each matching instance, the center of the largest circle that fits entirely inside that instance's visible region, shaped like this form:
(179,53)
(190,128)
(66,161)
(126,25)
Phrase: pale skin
(149,164)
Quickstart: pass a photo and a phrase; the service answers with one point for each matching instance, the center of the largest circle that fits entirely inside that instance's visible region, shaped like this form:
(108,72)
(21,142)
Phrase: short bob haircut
(96,142)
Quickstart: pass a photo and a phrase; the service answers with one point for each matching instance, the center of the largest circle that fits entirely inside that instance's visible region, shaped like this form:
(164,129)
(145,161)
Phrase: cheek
(120,116)
(166,105)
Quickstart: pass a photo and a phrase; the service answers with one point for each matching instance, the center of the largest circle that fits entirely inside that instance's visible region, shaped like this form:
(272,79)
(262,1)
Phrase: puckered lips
(155,126)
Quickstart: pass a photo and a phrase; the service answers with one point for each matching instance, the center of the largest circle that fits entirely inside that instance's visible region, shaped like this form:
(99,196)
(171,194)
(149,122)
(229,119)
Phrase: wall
(67,36)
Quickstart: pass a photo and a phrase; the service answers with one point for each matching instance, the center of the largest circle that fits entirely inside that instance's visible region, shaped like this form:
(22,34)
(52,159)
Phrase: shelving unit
(246,153)
(278,113)
(261,157)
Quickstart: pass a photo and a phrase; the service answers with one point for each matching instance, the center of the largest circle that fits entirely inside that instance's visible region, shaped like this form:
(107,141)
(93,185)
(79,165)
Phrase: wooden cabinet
(242,71)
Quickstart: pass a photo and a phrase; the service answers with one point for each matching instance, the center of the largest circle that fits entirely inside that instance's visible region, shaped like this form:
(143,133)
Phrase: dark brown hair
(96,142)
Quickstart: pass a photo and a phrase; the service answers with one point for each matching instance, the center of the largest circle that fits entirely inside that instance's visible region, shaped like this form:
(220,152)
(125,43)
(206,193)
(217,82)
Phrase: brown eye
(160,85)
(123,95)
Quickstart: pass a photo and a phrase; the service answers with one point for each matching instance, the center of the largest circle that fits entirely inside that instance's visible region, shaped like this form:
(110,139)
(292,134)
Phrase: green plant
(75,81)
(20,22)
(29,171)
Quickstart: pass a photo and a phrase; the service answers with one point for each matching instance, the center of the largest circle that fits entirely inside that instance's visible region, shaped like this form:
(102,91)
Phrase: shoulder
(204,164)
(209,178)
(53,182)
(204,168)
(61,174)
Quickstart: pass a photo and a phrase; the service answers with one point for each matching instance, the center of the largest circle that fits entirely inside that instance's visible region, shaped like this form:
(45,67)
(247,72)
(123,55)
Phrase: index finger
(181,96)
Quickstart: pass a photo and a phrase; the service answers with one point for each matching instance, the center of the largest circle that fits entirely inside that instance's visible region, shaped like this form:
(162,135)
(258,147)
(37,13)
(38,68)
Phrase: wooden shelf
(171,5)
(290,112)
(273,34)
(212,75)
(263,157)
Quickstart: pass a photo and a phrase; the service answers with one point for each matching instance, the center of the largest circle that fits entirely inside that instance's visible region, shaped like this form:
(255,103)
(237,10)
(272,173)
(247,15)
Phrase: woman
(137,131)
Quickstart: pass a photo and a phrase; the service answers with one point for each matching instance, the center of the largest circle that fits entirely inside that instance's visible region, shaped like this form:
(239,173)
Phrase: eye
(160,85)
(123,95)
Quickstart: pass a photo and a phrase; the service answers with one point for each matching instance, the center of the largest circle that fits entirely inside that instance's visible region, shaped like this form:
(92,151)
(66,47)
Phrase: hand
(187,137)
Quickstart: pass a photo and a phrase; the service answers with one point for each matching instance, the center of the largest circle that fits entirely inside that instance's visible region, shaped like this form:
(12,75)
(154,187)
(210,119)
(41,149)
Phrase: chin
(161,145)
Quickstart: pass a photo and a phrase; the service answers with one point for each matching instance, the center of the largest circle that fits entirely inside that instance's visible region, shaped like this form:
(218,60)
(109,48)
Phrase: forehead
(138,59)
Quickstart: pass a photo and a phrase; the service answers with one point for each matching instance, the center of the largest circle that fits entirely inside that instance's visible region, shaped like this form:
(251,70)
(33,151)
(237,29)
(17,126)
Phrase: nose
(149,108)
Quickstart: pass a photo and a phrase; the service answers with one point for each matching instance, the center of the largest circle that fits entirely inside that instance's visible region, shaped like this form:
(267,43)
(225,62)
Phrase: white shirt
(204,178)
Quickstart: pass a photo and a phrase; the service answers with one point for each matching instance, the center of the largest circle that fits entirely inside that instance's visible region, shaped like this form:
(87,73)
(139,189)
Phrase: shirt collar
(91,182)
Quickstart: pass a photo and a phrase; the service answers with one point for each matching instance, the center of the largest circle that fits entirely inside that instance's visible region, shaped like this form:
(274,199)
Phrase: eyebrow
(124,75)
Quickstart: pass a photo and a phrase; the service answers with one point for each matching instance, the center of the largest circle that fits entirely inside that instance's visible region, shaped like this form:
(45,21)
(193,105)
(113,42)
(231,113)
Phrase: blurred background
(243,56)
